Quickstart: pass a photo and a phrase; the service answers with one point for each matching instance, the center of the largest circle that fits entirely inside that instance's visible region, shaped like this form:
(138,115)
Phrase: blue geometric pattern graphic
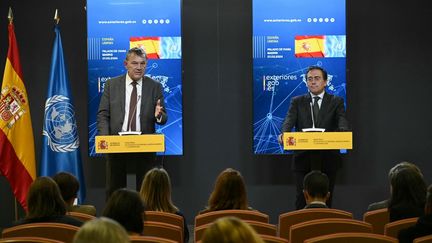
(281,28)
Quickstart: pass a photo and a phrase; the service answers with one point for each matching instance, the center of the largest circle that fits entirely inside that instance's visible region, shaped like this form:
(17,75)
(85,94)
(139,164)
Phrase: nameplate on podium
(130,143)
(317,140)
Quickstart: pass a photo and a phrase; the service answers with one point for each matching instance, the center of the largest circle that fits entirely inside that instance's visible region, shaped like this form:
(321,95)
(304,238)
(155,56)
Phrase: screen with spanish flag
(288,37)
(115,26)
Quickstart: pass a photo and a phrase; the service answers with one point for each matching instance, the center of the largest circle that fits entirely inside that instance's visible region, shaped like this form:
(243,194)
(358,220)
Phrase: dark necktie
(316,109)
(132,108)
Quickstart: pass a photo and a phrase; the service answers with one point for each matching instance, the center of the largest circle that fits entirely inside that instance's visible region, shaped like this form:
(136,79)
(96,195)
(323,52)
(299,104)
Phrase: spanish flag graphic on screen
(151,45)
(309,46)
(17,156)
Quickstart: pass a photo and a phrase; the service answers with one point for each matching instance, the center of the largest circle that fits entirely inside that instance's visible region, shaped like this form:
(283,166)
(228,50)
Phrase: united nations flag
(60,142)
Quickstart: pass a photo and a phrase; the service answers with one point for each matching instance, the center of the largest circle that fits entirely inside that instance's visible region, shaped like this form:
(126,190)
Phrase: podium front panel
(317,140)
(130,143)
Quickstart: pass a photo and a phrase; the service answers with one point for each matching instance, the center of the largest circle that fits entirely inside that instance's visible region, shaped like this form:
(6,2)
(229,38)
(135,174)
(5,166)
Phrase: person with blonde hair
(101,230)
(229,192)
(156,194)
(230,229)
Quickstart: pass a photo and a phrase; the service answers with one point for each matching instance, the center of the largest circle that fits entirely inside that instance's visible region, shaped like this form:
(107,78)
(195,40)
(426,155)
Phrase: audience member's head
(68,185)
(156,191)
(101,230)
(316,187)
(230,229)
(229,192)
(407,187)
(44,199)
(126,207)
(402,165)
(428,205)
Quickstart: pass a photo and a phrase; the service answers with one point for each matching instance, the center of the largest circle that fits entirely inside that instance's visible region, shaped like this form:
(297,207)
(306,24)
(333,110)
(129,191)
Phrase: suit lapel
(121,86)
(307,99)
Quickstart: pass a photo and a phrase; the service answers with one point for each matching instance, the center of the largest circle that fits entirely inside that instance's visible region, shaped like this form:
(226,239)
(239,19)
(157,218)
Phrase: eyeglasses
(316,78)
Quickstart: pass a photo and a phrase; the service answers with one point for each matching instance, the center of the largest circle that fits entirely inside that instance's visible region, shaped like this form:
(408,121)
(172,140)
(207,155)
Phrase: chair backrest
(263,228)
(273,239)
(163,230)
(378,219)
(28,240)
(286,220)
(251,215)
(149,239)
(424,239)
(164,217)
(392,229)
(81,216)
(318,227)
(55,231)
(352,237)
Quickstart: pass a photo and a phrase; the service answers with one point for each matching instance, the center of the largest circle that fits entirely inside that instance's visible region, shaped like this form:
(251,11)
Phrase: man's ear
(327,196)
(428,209)
(306,196)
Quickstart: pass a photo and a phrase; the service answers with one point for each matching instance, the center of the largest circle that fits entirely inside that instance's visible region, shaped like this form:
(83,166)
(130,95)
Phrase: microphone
(312,113)
(133,113)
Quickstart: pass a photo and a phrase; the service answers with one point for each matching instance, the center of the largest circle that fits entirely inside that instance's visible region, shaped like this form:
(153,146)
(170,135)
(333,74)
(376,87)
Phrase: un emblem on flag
(60,125)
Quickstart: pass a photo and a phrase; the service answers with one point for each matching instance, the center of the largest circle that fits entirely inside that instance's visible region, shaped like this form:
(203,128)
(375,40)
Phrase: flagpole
(16,210)
(10,18)
(56,17)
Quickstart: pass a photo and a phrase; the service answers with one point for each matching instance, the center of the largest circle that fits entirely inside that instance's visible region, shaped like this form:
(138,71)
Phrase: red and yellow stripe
(309,46)
(151,45)
(17,155)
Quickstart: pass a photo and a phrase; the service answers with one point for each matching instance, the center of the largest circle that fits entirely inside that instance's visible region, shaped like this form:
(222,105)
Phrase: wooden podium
(317,140)
(130,143)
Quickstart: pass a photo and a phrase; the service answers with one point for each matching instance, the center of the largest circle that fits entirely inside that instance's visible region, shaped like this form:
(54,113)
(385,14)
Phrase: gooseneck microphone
(312,113)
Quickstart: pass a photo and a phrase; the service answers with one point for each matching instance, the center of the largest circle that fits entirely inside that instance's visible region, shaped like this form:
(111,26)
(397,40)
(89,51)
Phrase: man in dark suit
(130,102)
(316,189)
(330,115)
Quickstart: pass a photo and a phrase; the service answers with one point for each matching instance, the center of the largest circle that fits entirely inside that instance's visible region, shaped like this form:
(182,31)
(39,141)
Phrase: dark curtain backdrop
(388,88)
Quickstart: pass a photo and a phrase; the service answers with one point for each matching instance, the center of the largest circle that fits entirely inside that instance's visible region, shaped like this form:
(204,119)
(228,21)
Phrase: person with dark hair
(316,189)
(329,114)
(229,192)
(127,208)
(45,204)
(408,193)
(392,173)
(130,102)
(69,186)
(156,194)
(423,226)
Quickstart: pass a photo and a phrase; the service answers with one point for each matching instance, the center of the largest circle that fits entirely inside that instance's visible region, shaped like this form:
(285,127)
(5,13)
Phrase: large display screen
(288,37)
(115,26)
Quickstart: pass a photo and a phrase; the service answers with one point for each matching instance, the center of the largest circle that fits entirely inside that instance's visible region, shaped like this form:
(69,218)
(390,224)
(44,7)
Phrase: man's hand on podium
(280,138)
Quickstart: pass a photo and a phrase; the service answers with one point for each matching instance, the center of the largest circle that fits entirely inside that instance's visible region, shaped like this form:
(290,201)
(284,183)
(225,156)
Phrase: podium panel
(317,140)
(130,143)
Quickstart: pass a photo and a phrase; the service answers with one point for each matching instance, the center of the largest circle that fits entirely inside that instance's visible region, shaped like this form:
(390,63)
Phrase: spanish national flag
(309,46)
(151,46)
(17,156)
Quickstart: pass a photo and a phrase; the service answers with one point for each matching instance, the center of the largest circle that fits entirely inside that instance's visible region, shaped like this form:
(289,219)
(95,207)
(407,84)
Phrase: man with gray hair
(131,102)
